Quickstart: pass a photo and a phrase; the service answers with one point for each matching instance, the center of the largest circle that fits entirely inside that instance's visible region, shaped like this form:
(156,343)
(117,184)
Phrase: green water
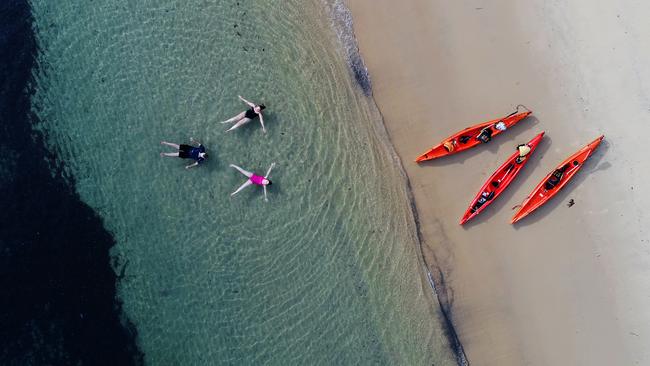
(326,272)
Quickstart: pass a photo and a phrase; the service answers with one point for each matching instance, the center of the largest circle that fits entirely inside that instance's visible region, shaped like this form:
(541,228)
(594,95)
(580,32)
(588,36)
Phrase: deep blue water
(58,304)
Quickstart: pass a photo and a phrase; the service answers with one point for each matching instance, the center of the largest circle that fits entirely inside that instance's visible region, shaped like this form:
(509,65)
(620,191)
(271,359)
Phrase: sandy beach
(568,285)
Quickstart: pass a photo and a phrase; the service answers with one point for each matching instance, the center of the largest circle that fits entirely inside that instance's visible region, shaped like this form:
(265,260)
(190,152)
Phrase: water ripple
(326,272)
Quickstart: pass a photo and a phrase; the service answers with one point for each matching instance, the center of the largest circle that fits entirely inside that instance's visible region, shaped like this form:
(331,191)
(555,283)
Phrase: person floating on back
(255,179)
(246,116)
(187,152)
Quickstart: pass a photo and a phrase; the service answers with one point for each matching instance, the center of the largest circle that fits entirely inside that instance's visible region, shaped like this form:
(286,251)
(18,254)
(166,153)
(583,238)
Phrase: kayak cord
(517,110)
(524,107)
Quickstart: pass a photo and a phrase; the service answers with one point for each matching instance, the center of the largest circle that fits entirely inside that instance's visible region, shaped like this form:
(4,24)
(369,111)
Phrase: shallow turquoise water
(327,271)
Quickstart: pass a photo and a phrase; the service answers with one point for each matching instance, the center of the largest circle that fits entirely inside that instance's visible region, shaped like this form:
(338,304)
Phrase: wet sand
(567,285)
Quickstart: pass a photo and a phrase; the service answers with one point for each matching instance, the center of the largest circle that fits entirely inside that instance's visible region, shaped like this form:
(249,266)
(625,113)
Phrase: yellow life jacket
(449,145)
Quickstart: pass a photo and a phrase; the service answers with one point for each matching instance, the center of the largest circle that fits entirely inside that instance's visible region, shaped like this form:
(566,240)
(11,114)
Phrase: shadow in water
(59,304)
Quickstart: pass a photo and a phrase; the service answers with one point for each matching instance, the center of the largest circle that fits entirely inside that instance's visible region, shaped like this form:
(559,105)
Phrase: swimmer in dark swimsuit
(187,152)
(242,118)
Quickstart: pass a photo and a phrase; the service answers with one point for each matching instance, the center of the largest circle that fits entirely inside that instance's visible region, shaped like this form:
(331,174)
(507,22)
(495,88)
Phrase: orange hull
(469,134)
(541,194)
(500,180)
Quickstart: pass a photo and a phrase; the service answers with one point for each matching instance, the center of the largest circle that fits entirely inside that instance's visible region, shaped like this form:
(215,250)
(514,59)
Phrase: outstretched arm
(244,172)
(265,198)
(246,184)
(268,172)
(262,121)
(192,140)
(192,165)
(247,102)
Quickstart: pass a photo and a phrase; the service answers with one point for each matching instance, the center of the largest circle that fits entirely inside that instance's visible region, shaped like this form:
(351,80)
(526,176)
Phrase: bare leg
(244,172)
(175,146)
(246,184)
(241,122)
(169,154)
(235,118)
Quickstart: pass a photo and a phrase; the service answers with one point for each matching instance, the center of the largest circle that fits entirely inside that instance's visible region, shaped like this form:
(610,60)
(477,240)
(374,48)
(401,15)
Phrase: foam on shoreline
(344,25)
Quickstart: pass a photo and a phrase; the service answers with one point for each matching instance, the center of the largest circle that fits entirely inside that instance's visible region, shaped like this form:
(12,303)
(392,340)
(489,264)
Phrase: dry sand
(567,286)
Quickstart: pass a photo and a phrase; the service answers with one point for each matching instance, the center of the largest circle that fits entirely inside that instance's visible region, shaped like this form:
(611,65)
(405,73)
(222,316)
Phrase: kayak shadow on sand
(592,165)
(512,135)
(517,188)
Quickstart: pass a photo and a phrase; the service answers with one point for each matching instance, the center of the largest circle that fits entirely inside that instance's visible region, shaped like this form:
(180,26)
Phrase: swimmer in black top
(187,152)
(248,115)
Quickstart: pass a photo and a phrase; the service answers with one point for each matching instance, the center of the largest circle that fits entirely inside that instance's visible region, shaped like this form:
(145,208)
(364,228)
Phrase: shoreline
(359,72)
(432,57)
(437,284)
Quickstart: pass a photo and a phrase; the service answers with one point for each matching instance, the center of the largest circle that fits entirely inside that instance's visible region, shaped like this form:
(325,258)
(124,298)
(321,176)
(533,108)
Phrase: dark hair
(269,182)
(262,106)
(205,156)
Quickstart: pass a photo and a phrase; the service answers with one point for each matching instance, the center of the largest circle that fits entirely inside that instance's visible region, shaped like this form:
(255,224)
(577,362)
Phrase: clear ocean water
(326,272)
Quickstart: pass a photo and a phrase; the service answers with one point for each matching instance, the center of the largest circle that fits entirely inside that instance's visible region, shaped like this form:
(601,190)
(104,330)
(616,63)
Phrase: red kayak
(472,136)
(500,180)
(555,180)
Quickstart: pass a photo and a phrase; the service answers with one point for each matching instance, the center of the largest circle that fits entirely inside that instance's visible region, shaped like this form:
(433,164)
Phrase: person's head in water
(259,108)
(266,182)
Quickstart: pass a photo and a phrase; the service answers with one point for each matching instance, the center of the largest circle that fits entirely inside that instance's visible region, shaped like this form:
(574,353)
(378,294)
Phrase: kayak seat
(485,136)
(553,180)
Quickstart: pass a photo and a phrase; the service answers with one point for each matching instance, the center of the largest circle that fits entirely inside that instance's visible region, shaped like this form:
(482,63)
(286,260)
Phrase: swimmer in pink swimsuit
(255,179)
